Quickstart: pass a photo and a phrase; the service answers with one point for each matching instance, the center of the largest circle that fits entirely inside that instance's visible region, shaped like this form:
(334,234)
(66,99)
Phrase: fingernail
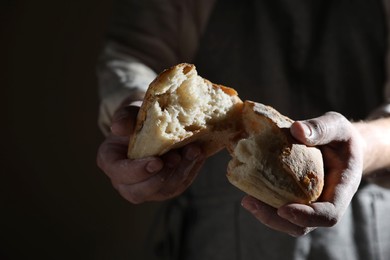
(306,129)
(154,166)
(115,129)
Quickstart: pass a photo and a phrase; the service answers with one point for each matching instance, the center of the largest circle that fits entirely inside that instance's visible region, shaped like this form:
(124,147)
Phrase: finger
(134,171)
(113,148)
(113,161)
(269,217)
(124,119)
(330,207)
(149,189)
(320,214)
(146,190)
(175,190)
(193,173)
(322,130)
(171,159)
(185,172)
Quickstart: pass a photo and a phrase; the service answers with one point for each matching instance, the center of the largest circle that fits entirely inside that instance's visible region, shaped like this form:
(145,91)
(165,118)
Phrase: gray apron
(303,58)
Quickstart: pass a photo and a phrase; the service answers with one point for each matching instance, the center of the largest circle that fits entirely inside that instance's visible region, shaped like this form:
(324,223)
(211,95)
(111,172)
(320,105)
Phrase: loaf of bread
(181,107)
(268,164)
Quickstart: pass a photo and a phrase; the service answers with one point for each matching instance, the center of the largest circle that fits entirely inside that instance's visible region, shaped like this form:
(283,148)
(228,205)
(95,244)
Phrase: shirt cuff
(120,77)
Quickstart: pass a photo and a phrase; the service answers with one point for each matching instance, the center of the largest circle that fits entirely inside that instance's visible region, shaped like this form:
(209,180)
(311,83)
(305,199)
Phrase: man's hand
(147,179)
(342,150)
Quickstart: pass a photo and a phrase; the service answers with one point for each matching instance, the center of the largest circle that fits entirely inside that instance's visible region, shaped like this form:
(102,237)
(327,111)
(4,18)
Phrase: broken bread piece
(268,163)
(181,107)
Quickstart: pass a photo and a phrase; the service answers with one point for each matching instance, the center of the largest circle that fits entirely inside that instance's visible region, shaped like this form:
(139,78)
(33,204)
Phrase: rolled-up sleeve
(119,76)
(145,37)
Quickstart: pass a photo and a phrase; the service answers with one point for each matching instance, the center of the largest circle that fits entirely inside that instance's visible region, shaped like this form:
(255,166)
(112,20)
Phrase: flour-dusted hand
(342,148)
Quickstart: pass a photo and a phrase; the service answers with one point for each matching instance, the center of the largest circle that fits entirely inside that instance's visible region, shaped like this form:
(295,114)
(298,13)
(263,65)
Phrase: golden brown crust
(269,164)
(212,137)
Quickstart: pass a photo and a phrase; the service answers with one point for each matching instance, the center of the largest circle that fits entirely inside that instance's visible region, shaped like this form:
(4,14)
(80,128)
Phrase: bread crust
(269,164)
(212,137)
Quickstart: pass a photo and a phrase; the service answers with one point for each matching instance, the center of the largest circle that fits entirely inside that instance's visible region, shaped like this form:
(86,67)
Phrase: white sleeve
(119,76)
(139,46)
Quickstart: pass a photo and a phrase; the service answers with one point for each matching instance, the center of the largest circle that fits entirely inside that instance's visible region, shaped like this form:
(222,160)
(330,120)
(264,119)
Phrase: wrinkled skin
(341,146)
(162,178)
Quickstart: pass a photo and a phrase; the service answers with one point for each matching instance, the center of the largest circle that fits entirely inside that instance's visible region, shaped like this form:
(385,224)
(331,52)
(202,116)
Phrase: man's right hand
(146,179)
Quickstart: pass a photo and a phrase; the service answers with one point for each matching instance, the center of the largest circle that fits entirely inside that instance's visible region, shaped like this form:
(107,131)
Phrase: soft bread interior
(269,165)
(258,171)
(180,105)
(188,104)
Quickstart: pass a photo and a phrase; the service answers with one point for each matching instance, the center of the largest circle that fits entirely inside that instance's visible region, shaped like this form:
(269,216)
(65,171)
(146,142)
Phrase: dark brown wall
(54,202)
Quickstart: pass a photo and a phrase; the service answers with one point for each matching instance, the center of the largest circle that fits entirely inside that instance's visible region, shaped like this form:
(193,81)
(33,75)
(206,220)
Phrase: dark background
(54,201)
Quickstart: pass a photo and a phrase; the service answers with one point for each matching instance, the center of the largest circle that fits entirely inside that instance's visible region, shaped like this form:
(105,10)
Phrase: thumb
(322,130)
(124,119)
